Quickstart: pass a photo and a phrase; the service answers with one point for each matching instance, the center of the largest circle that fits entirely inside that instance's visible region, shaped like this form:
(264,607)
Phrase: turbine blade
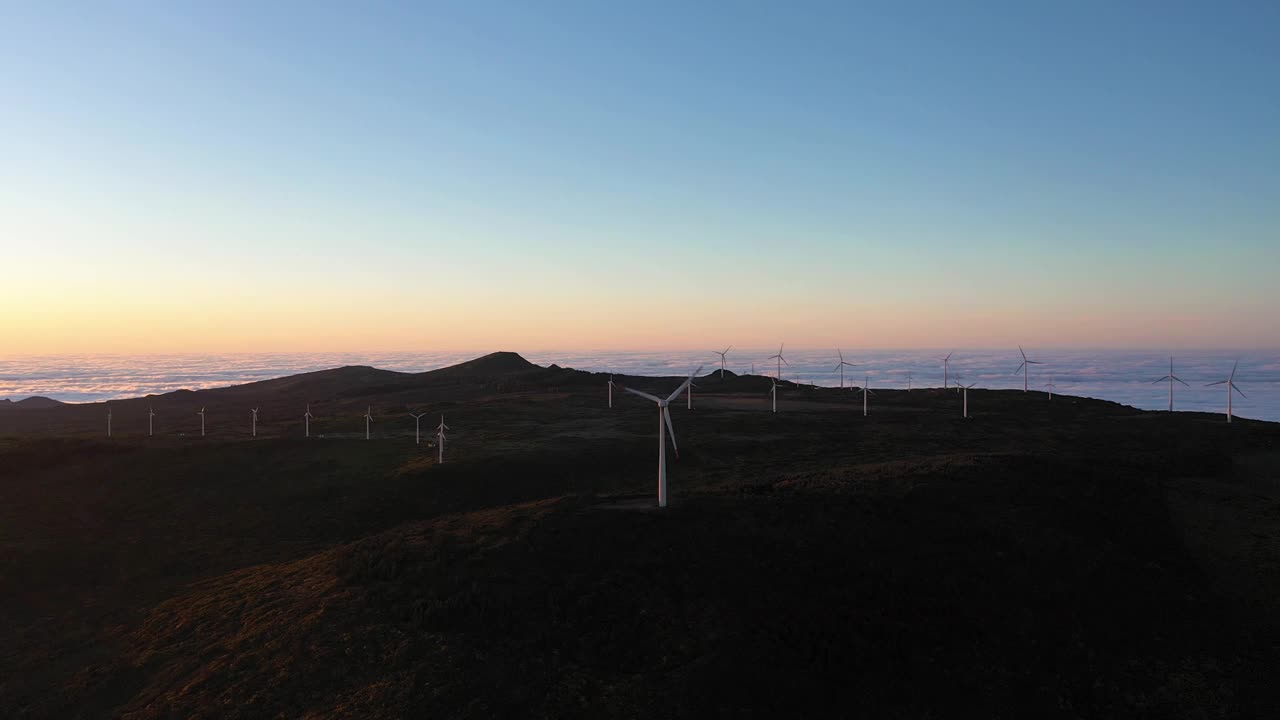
(644,395)
(688,381)
(948,357)
(1015,372)
(666,415)
(1220,382)
(1175,377)
(1166,377)
(1233,387)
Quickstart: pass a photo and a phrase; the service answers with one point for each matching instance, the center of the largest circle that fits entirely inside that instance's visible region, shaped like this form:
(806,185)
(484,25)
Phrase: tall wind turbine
(417,427)
(255,422)
(908,381)
(773,391)
(780,360)
(368,418)
(722,354)
(1050,386)
(151,425)
(306,419)
(1025,367)
(201,414)
(1171,378)
(611,386)
(108,421)
(440,438)
(841,367)
(1230,382)
(664,424)
(946,362)
(966,397)
(866,390)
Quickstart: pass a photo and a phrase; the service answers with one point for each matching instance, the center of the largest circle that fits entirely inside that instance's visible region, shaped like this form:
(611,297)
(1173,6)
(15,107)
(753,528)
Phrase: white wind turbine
(151,424)
(440,438)
(946,362)
(254,431)
(1025,367)
(908,381)
(1171,378)
(1050,386)
(841,367)
(368,418)
(417,427)
(966,397)
(866,390)
(722,354)
(611,386)
(780,360)
(306,419)
(201,414)
(1230,382)
(664,424)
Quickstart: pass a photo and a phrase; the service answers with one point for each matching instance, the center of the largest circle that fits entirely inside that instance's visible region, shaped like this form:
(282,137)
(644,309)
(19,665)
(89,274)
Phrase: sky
(236,176)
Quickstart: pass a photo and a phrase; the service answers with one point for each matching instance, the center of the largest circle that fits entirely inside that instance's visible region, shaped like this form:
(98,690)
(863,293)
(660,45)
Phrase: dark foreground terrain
(1064,558)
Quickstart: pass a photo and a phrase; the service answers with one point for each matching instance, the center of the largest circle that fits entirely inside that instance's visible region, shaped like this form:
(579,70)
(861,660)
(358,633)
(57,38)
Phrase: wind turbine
(774,392)
(1171,377)
(255,422)
(368,418)
(1050,386)
(664,424)
(780,360)
(722,354)
(1025,367)
(611,384)
(908,381)
(306,419)
(1230,382)
(866,390)
(440,439)
(417,427)
(840,367)
(151,415)
(966,396)
(201,414)
(946,361)
(108,421)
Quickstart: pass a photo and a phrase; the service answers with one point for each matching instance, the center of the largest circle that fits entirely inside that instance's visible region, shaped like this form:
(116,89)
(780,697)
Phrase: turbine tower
(611,385)
(201,414)
(1171,378)
(866,390)
(841,367)
(254,431)
(722,353)
(966,397)
(440,438)
(368,418)
(151,416)
(1050,386)
(1230,382)
(664,424)
(108,421)
(306,419)
(773,391)
(946,362)
(1025,367)
(780,360)
(417,427)
(908,381)
(688,394)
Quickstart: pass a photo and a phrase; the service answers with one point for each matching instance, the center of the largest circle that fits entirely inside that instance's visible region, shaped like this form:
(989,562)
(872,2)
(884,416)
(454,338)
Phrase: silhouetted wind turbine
(368,418)
(440,438)
(1171,378)
(1025,367)
(1230,382)
(664,424)
(108,421)
(780,360)
(722,360)
(151,415)
(946,361)
(201,414)
(841,367)
(254,431)
(908,381)
(417,427)
(306,419)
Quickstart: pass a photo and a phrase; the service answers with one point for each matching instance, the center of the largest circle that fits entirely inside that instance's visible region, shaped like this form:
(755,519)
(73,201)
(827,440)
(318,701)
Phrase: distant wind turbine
(368,418)
(773,391)
(841,367)
(1050,386)
(866,390)
(255,422)
(688,394)
(946,361)
(1171,378)
(417,427)
(1025,367)
(201,414)
(151,416)
(1230,382)
(108,421)
(722,360)
(966,397)
(611,386)
(440,438)
(908,381)
(664,424)
(306,419)
(780,360)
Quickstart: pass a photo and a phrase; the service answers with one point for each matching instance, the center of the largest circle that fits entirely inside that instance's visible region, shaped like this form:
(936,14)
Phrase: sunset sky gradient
(298,177)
